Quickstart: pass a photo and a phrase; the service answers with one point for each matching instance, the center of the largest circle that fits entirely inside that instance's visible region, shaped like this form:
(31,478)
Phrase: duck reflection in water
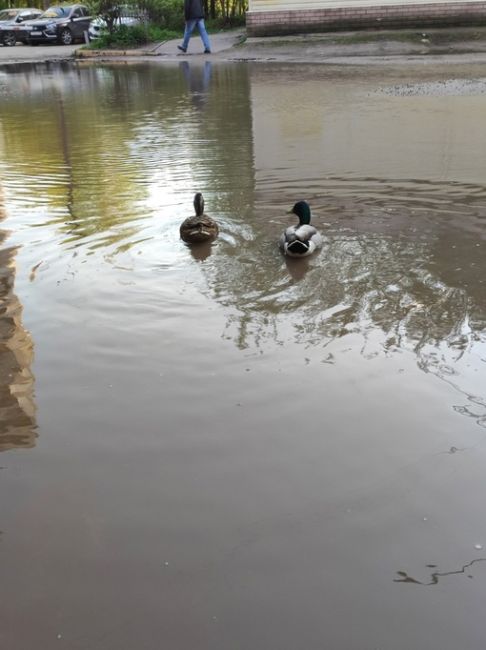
(202,251)
(297,268)
(198,79)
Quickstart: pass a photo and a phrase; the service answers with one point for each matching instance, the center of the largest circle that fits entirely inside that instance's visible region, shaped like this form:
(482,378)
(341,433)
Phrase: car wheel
(66,37)
(9,39)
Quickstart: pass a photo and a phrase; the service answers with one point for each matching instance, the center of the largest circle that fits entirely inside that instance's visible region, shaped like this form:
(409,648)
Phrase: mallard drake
(302,239)
(199,228)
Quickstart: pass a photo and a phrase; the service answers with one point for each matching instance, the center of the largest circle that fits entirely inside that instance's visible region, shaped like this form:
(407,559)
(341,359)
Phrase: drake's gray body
(303,239)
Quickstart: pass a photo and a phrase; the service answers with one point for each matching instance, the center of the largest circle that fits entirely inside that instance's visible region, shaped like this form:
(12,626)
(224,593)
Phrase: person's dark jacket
(193,9)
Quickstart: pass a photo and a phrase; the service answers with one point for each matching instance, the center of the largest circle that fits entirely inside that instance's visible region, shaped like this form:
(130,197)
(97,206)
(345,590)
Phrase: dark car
(12,28)
(60,24)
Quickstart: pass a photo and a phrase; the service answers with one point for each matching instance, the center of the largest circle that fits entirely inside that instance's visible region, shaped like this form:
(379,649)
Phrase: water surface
(218,448)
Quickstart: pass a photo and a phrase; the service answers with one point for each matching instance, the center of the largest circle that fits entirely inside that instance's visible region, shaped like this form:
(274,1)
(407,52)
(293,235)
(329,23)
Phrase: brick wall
(273,23)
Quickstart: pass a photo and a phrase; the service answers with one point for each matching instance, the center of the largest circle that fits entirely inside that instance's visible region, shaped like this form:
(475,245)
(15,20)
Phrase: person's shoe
(207,51)
(182,49)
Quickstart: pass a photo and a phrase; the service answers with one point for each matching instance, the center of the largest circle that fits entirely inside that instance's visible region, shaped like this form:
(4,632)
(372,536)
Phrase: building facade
(277,17)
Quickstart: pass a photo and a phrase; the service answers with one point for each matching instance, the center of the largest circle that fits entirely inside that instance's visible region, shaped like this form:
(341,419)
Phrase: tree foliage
(10,4)
(106,9)
(168,14)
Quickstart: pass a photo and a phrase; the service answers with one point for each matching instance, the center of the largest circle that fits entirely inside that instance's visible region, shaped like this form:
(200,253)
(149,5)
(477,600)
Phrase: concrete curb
(95,54)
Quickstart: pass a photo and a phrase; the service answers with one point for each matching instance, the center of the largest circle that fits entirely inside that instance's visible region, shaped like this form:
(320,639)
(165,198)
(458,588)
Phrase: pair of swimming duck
(296,241)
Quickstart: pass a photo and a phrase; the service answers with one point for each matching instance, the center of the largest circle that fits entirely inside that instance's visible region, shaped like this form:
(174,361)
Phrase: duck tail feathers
(298,247)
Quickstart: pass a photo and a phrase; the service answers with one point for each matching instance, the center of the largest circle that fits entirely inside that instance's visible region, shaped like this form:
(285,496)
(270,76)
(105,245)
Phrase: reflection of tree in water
(71,150)
(17,408)
(111,146)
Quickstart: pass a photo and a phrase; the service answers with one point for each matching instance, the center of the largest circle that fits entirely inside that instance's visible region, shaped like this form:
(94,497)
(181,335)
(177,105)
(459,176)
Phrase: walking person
(194,15)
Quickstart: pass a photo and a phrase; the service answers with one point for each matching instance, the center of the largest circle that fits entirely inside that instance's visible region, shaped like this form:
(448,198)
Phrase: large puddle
(216,448)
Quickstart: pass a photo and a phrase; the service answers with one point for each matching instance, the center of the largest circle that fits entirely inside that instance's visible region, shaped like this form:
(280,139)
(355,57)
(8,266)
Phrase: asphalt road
(21,52)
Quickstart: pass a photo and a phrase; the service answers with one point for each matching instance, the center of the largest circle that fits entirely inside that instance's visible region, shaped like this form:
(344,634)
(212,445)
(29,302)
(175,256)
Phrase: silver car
(12,24)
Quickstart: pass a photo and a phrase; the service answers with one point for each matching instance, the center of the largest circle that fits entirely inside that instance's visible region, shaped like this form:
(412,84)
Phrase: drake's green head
(199,204)
(302,210)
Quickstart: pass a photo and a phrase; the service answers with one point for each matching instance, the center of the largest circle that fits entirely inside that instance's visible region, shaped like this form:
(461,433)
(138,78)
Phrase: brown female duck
(199,228)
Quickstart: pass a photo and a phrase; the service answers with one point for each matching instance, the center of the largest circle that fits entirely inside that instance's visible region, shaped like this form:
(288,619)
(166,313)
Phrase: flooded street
(218,448)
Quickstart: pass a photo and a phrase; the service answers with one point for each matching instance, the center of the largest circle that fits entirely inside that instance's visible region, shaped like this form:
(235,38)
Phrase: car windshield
(56,12)
(8,15)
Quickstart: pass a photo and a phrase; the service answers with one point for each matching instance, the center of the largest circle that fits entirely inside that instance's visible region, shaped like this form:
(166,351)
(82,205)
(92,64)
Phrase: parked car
(98,25)
(12,27)
(60,24)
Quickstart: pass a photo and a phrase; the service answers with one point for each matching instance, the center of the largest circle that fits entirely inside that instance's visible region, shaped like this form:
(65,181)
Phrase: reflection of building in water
(325,124)
(17,408)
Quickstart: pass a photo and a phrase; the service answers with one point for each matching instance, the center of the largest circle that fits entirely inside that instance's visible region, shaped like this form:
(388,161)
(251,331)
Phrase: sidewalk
(220,42)
(438,45)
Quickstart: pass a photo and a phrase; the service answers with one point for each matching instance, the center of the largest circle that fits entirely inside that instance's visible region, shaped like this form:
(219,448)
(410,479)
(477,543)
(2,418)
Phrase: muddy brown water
(216,448)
